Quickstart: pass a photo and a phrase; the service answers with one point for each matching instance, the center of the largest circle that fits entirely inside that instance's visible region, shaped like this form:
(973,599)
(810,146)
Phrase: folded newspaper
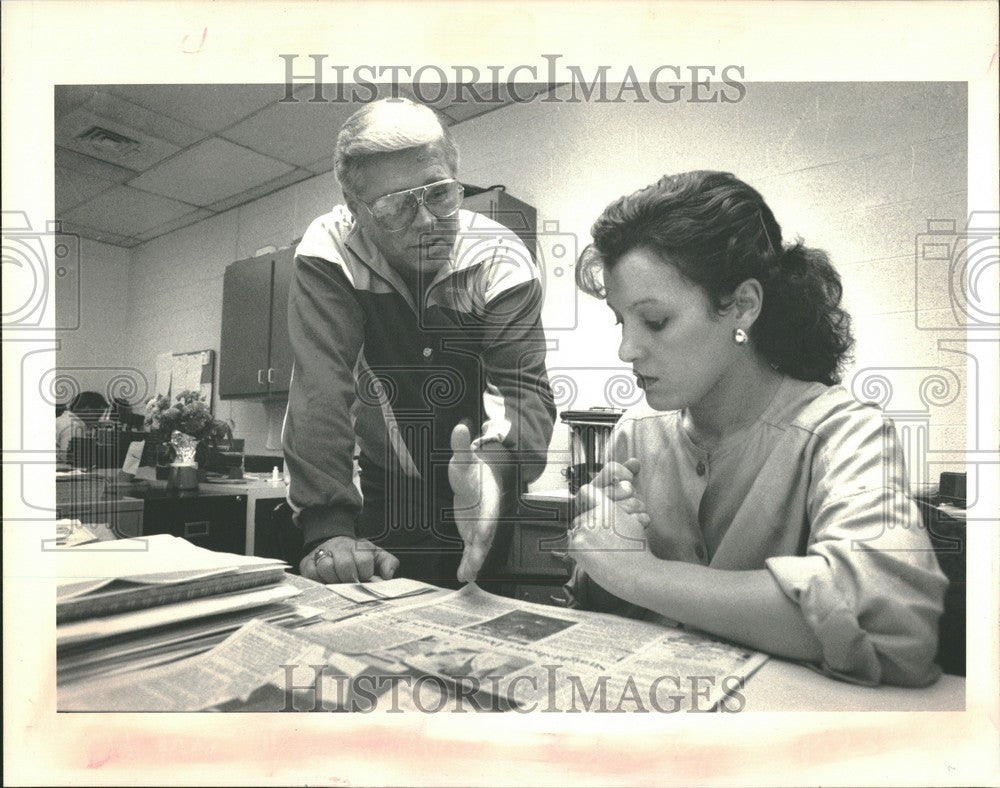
(460,651)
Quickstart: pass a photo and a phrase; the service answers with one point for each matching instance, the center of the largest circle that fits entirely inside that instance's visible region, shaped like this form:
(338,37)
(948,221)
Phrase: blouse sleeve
(869,585)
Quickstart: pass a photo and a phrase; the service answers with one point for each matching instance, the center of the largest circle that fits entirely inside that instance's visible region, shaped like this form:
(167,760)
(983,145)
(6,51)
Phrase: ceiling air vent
(108,142)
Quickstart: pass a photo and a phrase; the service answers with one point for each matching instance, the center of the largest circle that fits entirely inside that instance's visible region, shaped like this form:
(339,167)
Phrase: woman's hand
(607,538)
(617,482)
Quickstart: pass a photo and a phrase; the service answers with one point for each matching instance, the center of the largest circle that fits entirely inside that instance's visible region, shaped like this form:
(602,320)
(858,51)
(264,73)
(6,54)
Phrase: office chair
(947,535)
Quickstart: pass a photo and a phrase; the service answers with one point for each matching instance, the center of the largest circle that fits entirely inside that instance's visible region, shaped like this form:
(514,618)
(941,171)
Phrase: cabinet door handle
(260,376)
(270,374)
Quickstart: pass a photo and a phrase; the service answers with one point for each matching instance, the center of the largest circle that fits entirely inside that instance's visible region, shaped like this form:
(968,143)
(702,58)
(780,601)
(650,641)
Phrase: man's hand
(346,560)
(477,490)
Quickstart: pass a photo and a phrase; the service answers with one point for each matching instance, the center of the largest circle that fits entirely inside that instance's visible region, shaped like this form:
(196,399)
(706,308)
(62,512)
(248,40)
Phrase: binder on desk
(100,581)
(130,604)
(124,595)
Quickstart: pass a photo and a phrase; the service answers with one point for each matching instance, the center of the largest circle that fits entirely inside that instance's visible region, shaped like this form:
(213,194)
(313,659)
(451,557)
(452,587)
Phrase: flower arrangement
(186,422)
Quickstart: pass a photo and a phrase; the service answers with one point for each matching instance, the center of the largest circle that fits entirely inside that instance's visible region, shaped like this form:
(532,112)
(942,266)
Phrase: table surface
(260,487)
(785,686)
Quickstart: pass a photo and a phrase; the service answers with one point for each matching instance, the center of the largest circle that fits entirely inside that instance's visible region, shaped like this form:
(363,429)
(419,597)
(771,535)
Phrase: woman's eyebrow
(637,302)
(642,301)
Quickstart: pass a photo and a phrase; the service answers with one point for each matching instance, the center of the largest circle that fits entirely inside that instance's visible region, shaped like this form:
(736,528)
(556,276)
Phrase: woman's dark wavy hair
(719,232)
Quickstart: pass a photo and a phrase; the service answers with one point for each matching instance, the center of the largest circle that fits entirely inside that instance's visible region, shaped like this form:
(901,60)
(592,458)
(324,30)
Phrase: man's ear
(748,300)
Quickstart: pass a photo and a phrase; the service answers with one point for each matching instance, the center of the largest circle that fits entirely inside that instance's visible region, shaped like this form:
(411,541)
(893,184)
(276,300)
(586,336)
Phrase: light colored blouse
(814,491)
(68,426)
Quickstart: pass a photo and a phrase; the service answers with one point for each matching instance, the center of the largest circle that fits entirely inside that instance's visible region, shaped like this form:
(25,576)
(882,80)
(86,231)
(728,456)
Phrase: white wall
(175,290)
(856,169)
(91,357)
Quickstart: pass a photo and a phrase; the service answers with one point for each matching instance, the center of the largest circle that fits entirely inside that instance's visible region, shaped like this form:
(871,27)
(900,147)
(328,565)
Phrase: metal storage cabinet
(496,204)
(537,565)
(275,536)
(215,522)
(256,356)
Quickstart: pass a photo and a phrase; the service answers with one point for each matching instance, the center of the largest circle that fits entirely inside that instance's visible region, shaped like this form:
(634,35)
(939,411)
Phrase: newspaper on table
(548,659)
(131,676)
(474,645)
(249,660)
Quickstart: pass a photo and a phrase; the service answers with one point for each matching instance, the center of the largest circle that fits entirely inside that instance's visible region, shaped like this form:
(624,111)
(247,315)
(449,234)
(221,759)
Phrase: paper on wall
(164,368)
(183,379)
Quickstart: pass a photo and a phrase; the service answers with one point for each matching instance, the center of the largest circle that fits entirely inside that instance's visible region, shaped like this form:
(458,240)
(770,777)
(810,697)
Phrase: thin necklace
(709,445)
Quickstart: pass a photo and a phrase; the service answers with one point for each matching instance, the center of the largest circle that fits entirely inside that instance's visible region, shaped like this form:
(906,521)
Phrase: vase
(184,476)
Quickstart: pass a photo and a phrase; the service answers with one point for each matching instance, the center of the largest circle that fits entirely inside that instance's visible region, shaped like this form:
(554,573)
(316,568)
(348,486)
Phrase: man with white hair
(418,349)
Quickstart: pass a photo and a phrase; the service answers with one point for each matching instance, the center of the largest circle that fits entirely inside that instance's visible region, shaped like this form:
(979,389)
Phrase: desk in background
(261,496)
(255,496)
(218,515)
(537,566)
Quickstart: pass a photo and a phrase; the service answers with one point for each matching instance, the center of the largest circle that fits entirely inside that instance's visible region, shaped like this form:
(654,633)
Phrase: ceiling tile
(208,107)
(210,171)
(87,165)
(299,133)
(494,97)
(72,188)
(175,224)
(260,191)
(353,92)
(323,165)
(431,94)
(126,211)
(459,112)
(66,98)
(136,116)
(104,236)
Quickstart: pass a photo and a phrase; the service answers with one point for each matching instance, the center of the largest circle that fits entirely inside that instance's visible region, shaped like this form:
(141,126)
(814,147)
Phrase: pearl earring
(740,337)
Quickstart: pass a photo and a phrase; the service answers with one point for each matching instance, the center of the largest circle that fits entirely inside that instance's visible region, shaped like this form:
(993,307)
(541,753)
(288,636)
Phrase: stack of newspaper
(399,645)
(129,604)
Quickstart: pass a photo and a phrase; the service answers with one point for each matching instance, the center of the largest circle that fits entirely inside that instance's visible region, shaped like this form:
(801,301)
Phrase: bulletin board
(194,370)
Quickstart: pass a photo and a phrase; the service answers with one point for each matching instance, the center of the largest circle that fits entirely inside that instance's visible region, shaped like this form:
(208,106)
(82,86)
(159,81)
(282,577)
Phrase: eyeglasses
(396,211)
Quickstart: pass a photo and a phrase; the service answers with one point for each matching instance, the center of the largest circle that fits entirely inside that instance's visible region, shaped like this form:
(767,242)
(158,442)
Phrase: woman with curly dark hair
(749,496)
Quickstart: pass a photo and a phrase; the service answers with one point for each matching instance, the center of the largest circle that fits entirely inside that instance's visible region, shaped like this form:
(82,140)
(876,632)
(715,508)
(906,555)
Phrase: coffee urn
(588,440)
